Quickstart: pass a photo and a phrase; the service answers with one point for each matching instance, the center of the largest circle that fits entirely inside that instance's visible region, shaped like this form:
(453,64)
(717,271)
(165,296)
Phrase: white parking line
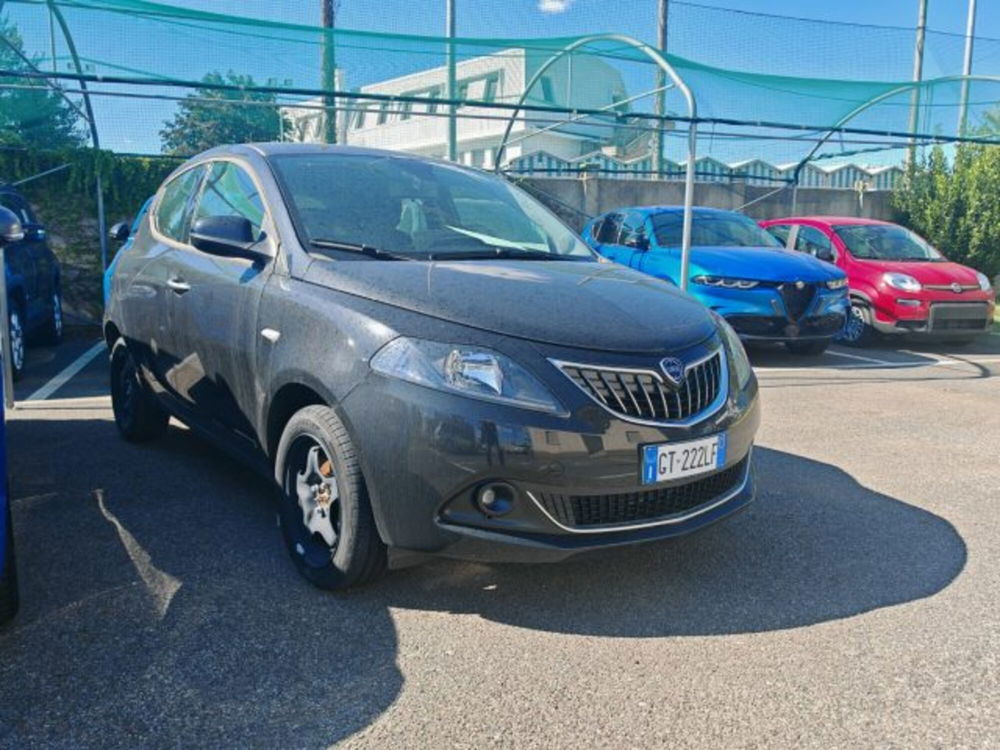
(67,374)
(856,356)
(886,366)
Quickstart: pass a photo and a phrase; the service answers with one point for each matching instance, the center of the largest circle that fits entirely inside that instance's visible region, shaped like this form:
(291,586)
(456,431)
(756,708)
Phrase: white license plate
(666,461)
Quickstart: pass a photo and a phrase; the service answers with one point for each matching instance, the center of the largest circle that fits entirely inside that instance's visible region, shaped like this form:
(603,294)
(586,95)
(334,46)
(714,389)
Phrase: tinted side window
(813,241)
(229,191)
(172,212)
(780,232)
(607,230)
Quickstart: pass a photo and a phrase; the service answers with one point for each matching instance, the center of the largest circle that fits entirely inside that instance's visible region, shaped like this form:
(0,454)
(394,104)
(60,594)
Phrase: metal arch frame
(864,106)
(657,57)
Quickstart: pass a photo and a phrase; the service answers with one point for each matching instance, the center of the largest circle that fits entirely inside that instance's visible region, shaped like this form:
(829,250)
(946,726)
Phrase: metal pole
(329,78)
(918,75)
(452,84)
(970,38)
(661,82)
(688,201)
(5,361)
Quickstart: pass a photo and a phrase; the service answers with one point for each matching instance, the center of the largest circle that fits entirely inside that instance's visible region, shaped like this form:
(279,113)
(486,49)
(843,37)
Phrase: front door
(217,315)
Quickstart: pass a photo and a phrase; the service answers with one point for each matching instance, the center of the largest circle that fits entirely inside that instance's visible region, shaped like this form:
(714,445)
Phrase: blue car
(737,269)
(10,233)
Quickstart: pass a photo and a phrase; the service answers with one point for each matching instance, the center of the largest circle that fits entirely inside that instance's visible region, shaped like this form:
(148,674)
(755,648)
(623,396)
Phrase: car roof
(649,210)
(281,149)
(830,220)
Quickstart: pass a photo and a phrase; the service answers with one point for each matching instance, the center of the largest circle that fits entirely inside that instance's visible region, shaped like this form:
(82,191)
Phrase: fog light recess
(496,499)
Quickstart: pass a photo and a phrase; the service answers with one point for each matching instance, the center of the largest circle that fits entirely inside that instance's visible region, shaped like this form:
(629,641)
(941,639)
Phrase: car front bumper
(762,314)
(428,453)
(941,314)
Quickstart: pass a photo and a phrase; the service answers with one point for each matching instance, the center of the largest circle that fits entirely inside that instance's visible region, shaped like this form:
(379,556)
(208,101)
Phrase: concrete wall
(578,199)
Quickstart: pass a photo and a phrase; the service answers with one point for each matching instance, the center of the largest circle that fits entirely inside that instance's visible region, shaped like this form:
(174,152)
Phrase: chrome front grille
(649,396)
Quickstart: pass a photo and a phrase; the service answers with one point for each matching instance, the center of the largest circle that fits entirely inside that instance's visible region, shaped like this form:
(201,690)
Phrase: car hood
(940,272)
(762,264)
(582,305)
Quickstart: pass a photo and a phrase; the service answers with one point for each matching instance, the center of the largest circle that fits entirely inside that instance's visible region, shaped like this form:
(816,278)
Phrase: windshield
(711,229)
(885,242)
(419,209)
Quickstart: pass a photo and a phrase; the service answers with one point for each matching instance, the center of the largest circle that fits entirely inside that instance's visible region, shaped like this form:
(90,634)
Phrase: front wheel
(858,330)
(326,516)
(810,348)
(15,332)
(138,416)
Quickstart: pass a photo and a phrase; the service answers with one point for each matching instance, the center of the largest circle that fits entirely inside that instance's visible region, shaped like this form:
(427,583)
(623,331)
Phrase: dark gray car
(426,360)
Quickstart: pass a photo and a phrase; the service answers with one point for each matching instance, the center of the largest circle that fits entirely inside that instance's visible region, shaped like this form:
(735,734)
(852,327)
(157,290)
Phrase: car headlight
(836,283)
(735,352)
(903,282)
(725,282)
(470,371)
(984,281)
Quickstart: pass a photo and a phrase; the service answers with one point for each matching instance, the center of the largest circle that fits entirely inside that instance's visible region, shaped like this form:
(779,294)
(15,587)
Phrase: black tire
(17,335)
(807,348)
(53,332)
(9,599)
(858,331)
(138,416)
(316,457)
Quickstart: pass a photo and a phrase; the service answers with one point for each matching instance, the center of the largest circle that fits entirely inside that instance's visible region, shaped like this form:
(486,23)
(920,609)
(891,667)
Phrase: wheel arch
(288,399)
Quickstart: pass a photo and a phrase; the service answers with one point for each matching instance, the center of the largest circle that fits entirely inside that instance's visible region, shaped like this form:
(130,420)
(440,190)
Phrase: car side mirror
(825,253)
(229,236)
(120,231)
(10,227)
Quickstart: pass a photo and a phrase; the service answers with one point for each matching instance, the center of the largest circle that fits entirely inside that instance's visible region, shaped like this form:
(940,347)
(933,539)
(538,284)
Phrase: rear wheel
(54,328)
(858,330)
(326,517)
(138,416)
(8,578)
(811,348)
(15,329)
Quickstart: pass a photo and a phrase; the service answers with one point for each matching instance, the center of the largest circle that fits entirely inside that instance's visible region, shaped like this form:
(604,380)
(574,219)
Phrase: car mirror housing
(119,232)
(230,236)
(638,242)
(825,254)
(10,227)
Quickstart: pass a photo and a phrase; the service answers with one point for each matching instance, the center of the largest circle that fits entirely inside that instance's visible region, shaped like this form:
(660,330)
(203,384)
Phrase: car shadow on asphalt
(162,609)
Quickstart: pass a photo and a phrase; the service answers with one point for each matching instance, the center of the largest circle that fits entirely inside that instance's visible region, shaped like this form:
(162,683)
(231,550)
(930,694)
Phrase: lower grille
(958,316)
(765,326)
(590,511)
(645,395)
(797,300)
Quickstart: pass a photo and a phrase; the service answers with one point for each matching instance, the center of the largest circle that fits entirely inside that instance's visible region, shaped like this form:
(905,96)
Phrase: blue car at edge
(8,574)
(767,293)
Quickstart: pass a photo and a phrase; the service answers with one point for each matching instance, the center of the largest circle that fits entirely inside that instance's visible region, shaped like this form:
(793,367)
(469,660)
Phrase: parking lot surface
(855,603)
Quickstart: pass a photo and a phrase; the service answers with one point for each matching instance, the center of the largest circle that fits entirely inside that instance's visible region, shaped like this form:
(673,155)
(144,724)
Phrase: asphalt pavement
(854,604)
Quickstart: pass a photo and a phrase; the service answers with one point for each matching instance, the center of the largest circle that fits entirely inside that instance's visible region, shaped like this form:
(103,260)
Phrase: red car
(898,283)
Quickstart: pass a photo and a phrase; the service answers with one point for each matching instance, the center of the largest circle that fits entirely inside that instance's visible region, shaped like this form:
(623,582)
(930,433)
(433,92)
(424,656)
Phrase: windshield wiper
(355,247)
(498,253)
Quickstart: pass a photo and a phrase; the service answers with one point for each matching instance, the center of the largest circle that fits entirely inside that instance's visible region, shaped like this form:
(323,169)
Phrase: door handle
(178,285)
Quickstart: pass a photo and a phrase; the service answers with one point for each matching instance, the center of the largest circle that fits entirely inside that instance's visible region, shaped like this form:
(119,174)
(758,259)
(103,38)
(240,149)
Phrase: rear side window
(229,191)
(813,241)
(172,212)
(780,232)
(607,231)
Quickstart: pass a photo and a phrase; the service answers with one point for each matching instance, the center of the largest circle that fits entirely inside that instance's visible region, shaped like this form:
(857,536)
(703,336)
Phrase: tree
(211,117)
(32,114)
(955,204)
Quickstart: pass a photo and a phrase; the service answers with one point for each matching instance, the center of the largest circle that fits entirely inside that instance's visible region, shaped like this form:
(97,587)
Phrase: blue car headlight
(471,371)
(837,283)
(725,282)
(736,353)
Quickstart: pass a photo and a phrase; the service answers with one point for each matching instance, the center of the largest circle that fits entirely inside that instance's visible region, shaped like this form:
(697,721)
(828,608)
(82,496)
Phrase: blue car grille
(645,394)
(589,511)
(797,299)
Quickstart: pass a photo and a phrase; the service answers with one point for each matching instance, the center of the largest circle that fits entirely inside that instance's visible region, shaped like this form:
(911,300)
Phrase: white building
(585,81)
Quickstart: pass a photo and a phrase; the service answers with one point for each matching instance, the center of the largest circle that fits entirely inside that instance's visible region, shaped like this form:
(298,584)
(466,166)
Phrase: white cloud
(554,6)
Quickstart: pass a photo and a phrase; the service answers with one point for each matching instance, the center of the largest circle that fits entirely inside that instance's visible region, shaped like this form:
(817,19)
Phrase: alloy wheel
(311,486)
(854,328)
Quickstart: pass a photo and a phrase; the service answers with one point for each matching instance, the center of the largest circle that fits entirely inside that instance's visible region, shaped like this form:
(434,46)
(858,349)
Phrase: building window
(383,113)
(434,93)
(548,95)
(405,108)
(359,116)
(490,91)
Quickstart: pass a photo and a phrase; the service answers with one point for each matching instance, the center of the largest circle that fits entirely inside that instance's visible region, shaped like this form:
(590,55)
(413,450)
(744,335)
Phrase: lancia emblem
(800,284)
(674,369)
(956,287)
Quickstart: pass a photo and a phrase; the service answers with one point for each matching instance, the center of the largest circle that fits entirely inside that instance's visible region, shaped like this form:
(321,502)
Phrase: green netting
(171,79)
